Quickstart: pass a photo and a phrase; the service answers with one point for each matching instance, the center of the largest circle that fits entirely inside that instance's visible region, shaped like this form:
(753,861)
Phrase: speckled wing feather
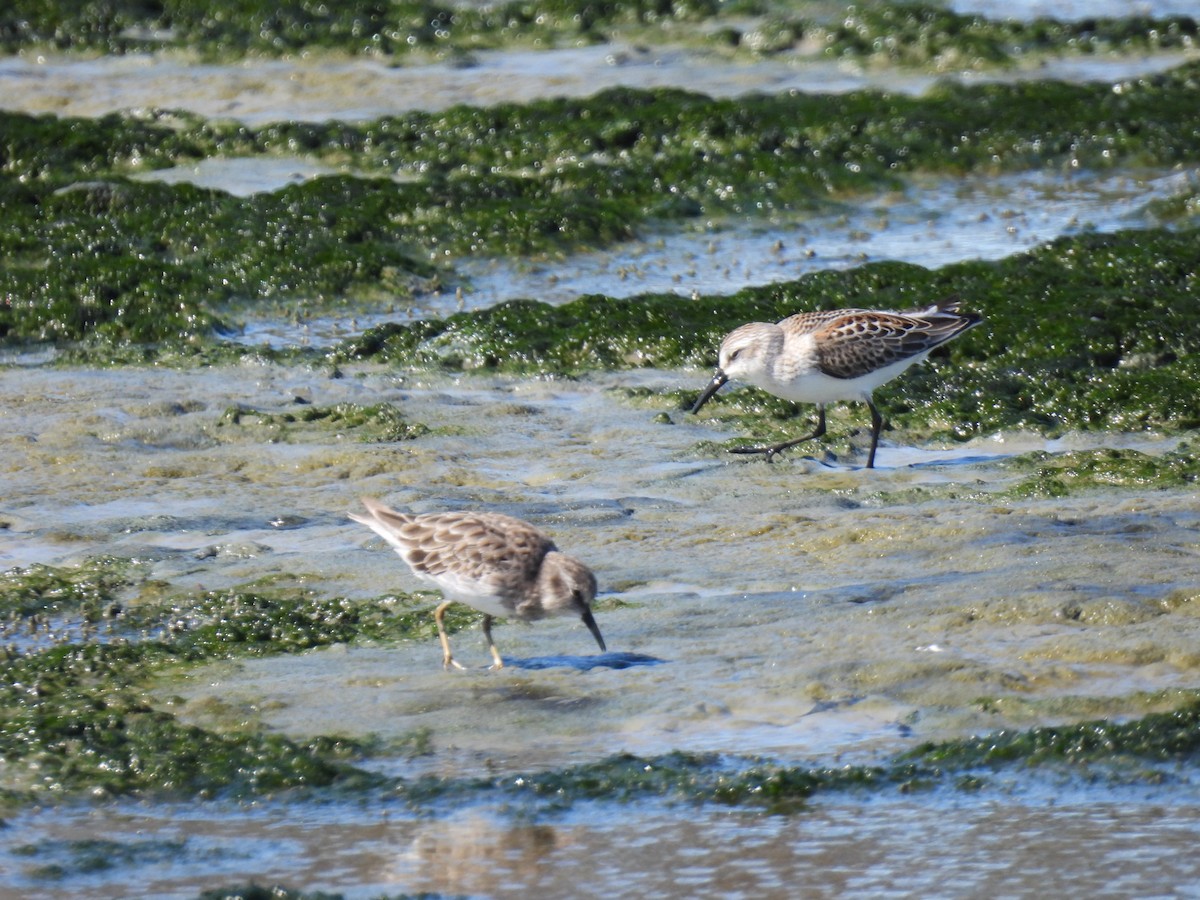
(808,322)
(494,551)
(858,343)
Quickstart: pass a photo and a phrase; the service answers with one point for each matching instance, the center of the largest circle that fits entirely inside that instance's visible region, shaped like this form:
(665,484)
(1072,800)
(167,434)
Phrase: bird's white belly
(473,593)
(487,604)
(816,387)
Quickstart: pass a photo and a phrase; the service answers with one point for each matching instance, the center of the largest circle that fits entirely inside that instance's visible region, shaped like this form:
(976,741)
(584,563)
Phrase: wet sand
(795,610)
(353,89)
(795,613)
(791,613)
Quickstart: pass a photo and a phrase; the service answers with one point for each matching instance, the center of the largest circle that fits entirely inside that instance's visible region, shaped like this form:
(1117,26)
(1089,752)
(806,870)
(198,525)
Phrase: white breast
(795,376)
(475,594)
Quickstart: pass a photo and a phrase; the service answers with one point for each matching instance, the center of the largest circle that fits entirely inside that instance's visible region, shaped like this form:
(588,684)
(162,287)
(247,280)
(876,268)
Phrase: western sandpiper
(499,565)
(840,354)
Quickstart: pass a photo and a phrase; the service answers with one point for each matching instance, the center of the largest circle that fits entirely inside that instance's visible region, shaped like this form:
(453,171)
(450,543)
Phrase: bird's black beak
(594,629)
(715,385)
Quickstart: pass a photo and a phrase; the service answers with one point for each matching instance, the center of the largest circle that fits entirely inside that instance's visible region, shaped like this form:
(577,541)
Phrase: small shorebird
(840,354)
(499,565)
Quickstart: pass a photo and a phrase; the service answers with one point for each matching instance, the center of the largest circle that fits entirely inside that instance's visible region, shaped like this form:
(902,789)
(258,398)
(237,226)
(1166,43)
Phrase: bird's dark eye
(735,354)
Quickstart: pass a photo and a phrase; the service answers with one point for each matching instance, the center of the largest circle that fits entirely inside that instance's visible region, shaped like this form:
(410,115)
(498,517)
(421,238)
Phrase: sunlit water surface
(263,91)
(1134,845)
(932,222)
(773,610)
(791,611)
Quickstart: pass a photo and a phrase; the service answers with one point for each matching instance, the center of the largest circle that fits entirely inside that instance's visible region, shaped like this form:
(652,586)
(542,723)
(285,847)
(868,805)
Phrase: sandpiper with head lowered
(840,354)
(499,565)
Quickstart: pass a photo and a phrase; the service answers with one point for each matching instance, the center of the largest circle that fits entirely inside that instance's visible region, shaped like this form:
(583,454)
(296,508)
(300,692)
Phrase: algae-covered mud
(973,669)
(138,261)
(192,618)
(922,33)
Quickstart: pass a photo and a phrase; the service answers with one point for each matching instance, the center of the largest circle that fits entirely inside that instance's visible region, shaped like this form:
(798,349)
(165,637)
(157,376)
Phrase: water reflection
(480,855)
(1055,840)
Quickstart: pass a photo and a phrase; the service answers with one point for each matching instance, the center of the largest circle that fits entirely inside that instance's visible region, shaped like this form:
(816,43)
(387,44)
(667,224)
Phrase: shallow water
(785,610)
(934,221)
(1136,843)
(354,90)
(797,610)
(243,177)
(1071,10)
(896,616)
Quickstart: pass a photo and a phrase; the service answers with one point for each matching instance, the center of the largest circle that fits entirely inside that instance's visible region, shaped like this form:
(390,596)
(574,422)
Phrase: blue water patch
(585,663)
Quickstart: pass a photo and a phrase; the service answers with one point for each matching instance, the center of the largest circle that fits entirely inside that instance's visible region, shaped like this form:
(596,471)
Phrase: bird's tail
(383,520)
(947,307)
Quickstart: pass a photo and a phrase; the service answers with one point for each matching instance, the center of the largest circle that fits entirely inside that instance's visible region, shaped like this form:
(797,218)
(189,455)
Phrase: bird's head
(743,355)
(569,587)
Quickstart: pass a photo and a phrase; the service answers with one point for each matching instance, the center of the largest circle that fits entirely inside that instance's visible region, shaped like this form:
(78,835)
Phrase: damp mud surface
(361,90)
(482,259)
(808,615)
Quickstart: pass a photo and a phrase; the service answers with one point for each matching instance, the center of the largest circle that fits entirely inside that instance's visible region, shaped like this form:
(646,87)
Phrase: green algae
(1031,710)
(67,858)
(529,336)
(256,622)
(921,34)
(1064,474)
(1182,208)
(123,261)
(1158,737)
(90,590)
(1091,332)
(677,776)
(75,722)
(77,719)
(92,254)
(1097,745)
(376,423)
(1096,748)
(1036,475)
(232,29)
(900,33)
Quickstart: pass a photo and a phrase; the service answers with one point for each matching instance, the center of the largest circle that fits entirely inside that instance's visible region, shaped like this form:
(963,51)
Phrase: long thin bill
(594,629)
(715,385)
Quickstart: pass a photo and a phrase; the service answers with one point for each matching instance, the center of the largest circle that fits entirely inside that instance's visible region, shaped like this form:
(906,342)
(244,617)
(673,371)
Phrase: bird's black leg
(876,427)
(769,452)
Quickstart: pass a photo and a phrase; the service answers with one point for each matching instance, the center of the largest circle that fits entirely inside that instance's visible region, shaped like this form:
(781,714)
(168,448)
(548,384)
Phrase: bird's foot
(768,453)
(449,662)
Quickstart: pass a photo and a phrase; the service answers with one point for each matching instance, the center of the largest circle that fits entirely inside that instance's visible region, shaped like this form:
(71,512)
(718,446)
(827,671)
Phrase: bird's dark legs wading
(497,662)
(769,452)
(438,615)
(876,427)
